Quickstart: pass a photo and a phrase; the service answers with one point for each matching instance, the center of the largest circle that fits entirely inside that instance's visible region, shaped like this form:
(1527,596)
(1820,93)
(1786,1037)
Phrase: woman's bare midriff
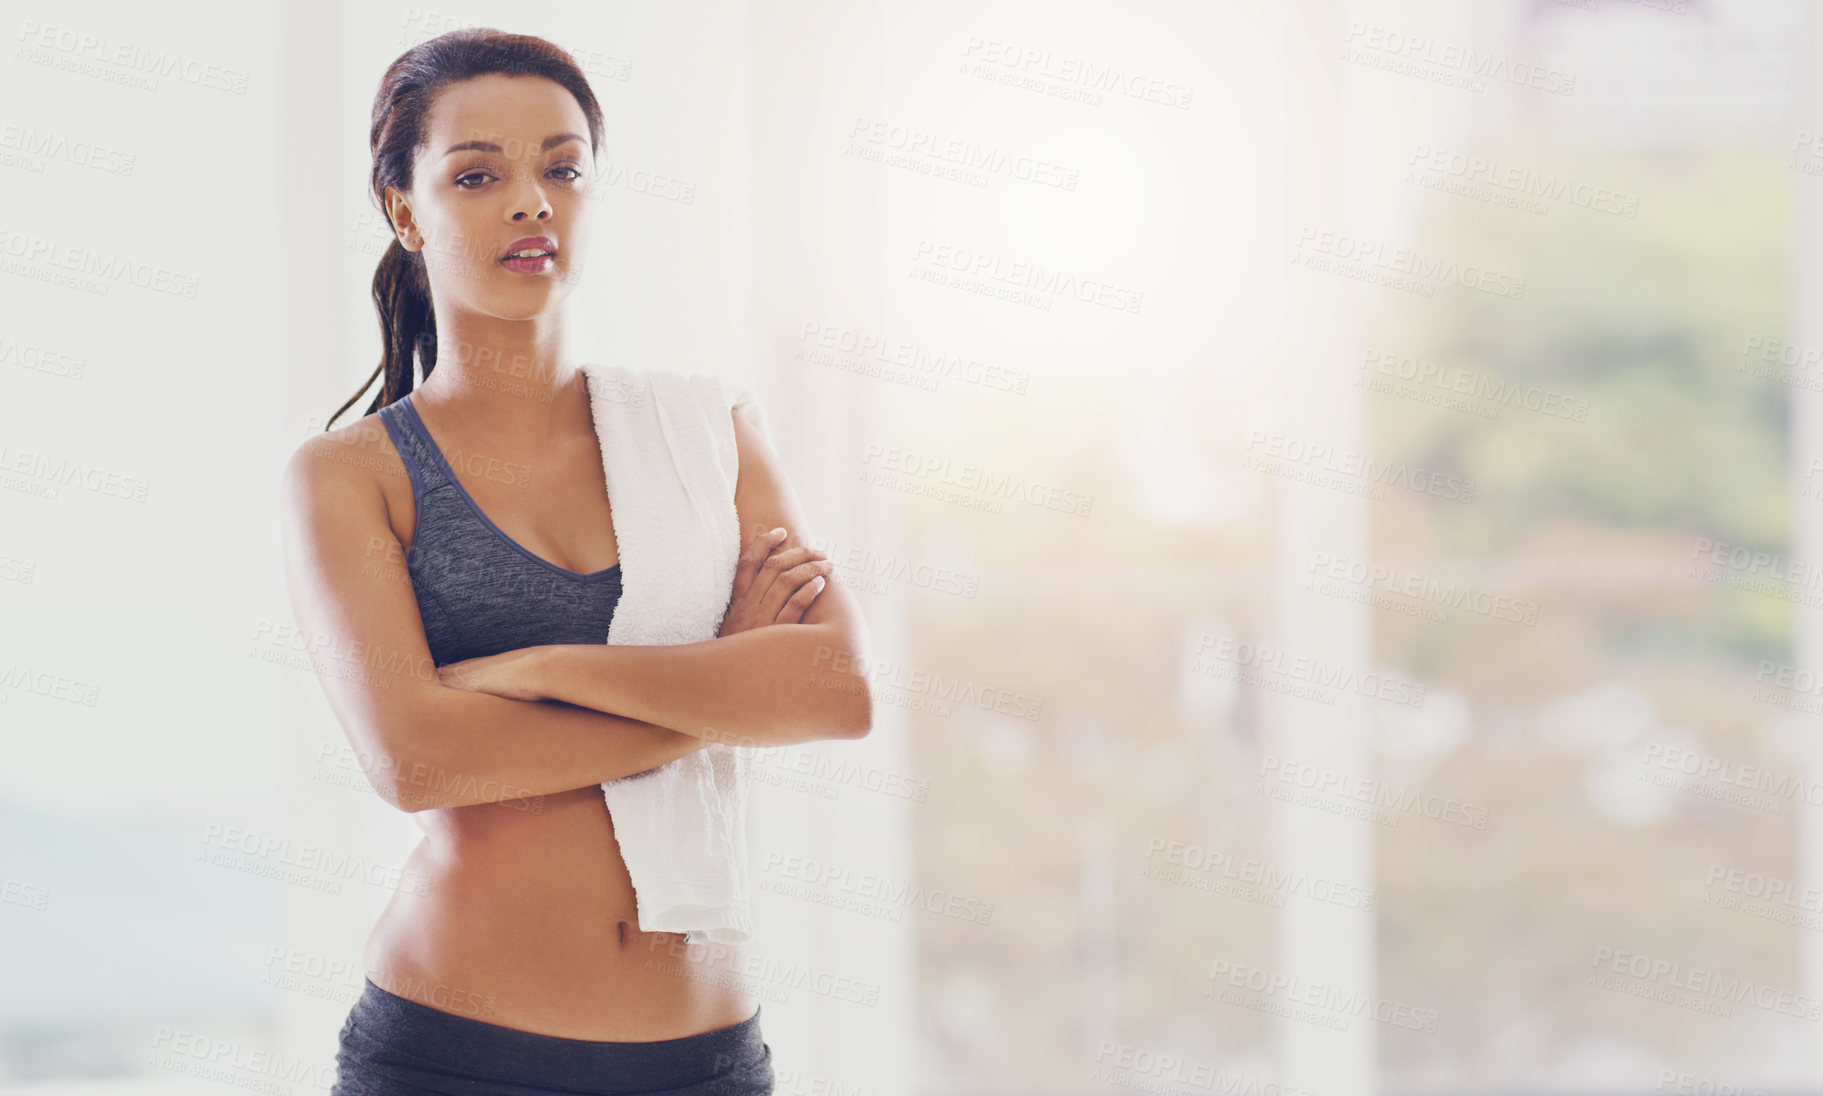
(523,915)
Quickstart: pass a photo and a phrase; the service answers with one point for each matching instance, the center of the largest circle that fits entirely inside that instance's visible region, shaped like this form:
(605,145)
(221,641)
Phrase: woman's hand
(774,587)
(508,674)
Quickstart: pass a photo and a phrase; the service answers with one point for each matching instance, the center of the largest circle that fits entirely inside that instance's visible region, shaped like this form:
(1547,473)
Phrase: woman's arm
(773,686)
(776,685)
(422,743)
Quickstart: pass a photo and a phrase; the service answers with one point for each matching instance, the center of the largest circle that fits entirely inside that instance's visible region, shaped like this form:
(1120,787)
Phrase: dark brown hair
(401,291)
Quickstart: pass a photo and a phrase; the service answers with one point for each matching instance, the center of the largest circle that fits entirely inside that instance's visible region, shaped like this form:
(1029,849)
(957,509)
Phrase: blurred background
(1334,487)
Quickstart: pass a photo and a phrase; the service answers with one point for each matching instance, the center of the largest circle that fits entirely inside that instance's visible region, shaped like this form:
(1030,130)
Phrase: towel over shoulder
(670,461)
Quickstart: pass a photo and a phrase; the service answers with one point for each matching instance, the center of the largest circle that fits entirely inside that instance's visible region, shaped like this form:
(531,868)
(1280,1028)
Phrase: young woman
(514,963)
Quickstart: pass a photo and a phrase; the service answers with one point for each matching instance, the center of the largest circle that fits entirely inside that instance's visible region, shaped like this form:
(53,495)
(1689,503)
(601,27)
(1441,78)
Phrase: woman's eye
(574,174)
(470,175)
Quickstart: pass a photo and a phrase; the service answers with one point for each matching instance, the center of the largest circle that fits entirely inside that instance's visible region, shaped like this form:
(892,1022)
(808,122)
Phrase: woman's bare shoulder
(357,455)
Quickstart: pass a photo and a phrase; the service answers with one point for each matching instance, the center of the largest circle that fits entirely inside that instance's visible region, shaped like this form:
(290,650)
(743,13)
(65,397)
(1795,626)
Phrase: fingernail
(779,532)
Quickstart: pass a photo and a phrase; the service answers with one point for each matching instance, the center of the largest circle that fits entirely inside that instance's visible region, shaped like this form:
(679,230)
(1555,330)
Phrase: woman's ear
(405,225)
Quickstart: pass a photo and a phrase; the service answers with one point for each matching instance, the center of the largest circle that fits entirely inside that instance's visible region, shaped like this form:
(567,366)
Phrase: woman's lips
(536,264)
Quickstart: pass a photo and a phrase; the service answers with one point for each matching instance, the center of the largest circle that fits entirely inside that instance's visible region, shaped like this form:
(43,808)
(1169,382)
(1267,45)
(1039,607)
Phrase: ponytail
(408,328)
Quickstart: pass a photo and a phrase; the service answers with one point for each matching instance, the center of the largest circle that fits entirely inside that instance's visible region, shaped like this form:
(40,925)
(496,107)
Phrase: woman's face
(505,158)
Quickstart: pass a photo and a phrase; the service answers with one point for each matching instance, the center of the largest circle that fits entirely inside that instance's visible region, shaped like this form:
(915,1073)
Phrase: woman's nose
(529,200)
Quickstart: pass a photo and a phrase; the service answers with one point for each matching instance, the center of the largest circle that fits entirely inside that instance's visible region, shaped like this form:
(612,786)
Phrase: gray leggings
(394,1046)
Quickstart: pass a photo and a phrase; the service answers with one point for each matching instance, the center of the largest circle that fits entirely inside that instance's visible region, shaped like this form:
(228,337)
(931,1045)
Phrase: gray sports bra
(480,591)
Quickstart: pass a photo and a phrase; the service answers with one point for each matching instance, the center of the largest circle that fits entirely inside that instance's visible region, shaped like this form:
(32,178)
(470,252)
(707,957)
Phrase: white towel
(670,460)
